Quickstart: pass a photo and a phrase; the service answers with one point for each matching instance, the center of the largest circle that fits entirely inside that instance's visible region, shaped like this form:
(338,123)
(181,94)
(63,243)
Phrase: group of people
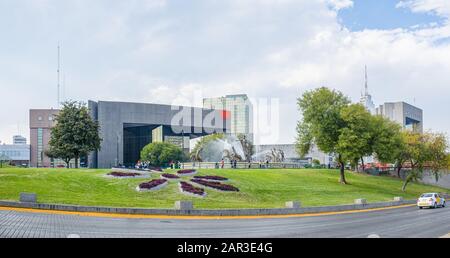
(233,164)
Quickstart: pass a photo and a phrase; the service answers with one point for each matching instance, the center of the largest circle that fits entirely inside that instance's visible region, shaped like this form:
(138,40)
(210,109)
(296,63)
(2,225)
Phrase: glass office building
(239,110)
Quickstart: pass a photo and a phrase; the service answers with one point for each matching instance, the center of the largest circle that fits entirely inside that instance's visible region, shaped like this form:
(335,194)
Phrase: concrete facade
(409,116)
(127,127)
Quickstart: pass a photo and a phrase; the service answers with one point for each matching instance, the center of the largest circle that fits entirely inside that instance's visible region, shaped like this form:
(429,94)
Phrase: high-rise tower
(366,98)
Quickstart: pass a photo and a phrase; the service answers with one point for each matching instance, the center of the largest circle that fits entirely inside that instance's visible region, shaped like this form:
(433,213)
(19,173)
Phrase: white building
(18,139)
(366,98)
(238,109)
(407,115)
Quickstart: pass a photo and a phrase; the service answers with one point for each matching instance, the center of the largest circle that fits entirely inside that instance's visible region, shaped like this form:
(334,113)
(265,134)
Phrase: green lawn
(259,188)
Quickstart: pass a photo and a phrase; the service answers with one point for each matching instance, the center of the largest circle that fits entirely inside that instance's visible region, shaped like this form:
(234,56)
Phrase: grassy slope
(259,188)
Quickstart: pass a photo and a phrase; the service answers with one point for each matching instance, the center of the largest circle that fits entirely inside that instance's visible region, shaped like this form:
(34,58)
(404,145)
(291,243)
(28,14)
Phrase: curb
(200,213)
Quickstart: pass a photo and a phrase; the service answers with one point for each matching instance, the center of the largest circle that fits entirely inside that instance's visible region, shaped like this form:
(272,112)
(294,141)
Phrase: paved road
(402,222)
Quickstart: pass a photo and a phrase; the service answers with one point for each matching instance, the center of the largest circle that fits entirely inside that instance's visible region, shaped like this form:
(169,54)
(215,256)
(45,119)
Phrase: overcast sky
(163,51)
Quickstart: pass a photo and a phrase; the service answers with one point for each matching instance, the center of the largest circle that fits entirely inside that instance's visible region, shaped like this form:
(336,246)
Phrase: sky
(173,51)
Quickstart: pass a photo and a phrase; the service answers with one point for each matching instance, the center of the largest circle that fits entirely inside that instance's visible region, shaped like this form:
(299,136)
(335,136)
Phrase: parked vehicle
(431,200)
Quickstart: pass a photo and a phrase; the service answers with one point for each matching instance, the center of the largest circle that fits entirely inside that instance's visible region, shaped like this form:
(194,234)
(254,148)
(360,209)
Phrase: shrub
(152,184)
(216,185)
(186,187)
(213,178)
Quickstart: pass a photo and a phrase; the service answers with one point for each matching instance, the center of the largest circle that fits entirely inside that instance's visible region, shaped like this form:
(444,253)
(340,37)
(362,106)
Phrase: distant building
(409,116)
(18,139)
(17,154)
(239,110)
(291,155)
(366,98)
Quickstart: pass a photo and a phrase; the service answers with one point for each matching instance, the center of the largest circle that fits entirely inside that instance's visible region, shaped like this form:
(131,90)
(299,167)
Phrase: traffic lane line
(179,217)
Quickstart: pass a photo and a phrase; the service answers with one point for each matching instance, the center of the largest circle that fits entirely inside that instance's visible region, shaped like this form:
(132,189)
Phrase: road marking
(374,236)
(187,217)
(73,236)
(446,236)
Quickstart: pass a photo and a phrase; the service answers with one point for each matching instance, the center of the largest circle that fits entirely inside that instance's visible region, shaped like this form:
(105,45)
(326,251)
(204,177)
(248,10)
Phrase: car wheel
(420,208)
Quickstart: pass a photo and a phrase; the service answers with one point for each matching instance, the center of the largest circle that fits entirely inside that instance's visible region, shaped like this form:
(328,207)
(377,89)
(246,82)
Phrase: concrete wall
(198,212)
(113,115)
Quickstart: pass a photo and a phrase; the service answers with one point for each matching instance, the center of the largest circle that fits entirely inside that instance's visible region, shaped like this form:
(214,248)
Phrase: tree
(322,123)
(75,134)
(161,153)
(416,154)
(3,160)
(57,153)
(356,138)
(438,157)
(388,144)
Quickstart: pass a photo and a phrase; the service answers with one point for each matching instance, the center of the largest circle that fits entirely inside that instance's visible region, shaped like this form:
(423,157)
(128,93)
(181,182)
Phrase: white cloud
(156,51)
(439,7)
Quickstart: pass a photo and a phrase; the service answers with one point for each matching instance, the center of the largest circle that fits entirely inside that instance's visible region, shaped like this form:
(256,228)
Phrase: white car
(431,200)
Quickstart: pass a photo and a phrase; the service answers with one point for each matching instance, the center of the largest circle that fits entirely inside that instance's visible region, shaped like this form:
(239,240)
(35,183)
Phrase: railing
(240,165)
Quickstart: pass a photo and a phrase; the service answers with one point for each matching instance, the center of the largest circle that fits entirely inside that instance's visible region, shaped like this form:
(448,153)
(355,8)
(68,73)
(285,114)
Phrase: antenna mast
(58,71)
(366,83)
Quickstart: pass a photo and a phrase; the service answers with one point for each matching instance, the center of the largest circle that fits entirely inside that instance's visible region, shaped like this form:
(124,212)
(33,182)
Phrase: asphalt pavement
(406,222)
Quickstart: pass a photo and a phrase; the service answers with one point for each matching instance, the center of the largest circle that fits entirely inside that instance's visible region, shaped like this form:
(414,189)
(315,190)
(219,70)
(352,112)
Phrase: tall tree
(75,134)
(322,123)
(356,138)
(417,155)
(438,157)
(388,144)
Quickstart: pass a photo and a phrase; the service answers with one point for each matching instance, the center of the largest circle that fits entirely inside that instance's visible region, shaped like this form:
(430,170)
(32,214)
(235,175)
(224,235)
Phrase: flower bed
(211,178)
(124,175)
(188,172)
(189,189)
(153,185)
(170,176)
(216,185)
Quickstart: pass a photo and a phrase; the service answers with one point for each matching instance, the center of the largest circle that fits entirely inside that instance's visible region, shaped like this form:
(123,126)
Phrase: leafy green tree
(438,157)
(322,124)
(4,160)
(388,144)
(356,138)
(75,134)
(202,144)
(161,153)
(416,155)
(58,153)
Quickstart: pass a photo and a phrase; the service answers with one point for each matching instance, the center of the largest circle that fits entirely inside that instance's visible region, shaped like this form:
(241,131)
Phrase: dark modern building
(125,128)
